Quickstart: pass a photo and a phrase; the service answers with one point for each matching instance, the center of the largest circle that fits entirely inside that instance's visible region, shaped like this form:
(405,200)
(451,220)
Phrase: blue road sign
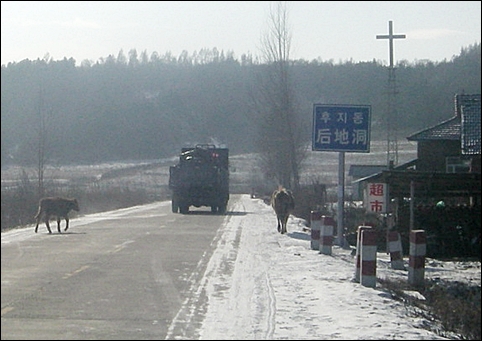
(341,128)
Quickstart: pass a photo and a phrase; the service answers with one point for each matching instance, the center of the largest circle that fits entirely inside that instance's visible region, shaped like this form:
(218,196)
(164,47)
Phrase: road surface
(116,275)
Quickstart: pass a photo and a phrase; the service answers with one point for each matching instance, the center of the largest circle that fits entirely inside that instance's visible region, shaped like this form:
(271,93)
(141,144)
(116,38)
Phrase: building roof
(464,126)
(428,184)
(361,171)
(447,130)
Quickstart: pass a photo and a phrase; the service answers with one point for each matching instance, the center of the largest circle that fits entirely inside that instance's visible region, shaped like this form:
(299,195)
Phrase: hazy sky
(337,30)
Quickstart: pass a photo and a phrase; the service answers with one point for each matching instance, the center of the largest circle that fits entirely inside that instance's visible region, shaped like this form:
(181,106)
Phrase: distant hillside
(123,109)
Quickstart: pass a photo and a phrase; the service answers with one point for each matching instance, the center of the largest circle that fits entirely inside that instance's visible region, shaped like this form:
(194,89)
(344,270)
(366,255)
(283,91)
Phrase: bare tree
(41,145)
(280,143)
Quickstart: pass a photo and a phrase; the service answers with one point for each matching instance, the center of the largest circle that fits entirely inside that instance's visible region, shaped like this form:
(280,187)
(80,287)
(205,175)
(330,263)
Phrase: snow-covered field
(153,175)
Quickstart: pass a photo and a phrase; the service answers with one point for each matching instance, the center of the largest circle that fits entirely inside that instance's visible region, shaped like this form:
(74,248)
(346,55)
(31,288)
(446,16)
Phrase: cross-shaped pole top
(390,37)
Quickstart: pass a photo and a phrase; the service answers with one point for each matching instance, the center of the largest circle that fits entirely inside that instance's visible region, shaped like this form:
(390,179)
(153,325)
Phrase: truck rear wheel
(174,206)
(222,209)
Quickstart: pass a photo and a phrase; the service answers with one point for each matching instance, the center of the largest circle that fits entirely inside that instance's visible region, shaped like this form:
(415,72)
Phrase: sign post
(341,128)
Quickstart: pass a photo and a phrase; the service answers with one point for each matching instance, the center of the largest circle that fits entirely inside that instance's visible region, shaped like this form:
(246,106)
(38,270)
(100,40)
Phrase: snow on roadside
(264,285)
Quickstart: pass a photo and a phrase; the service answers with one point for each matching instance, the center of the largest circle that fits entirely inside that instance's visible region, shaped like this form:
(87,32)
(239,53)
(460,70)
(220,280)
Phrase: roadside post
(418,248)
(315,229)
(326,234)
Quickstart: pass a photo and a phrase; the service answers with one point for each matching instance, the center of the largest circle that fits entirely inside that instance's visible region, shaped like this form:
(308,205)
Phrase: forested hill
(140,107)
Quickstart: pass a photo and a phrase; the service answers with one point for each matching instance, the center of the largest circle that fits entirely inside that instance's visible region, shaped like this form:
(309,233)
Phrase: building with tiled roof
(440,191)
(448,158)
(452,146)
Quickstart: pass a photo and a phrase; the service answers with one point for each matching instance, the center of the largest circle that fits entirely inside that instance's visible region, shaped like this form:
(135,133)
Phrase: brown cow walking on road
(283,203)
(58,207)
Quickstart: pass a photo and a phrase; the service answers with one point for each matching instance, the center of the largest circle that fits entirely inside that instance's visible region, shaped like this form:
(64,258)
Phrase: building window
(457,164)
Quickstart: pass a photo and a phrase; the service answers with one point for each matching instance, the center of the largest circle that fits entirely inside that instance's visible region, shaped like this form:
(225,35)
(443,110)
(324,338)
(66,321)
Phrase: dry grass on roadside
(455,305)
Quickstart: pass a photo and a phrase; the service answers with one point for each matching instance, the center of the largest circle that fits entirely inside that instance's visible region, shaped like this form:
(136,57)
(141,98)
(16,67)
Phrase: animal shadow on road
(204,212)
(63,233)
(299,235)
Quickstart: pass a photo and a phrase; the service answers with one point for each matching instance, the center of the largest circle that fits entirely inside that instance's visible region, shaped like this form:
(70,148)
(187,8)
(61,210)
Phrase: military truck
(201,178)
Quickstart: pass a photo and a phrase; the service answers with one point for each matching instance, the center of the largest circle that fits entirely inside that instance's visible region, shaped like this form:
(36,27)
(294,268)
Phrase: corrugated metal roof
(361,171)
(470,126)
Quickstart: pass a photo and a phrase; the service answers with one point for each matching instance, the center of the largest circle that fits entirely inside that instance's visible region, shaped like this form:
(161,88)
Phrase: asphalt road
(121,275)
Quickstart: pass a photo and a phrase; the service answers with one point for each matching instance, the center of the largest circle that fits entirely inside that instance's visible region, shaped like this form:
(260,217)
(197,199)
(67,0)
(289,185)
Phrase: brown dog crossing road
(116,275)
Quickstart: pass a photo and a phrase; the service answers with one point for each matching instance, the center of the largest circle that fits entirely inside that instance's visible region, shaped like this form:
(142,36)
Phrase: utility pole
(391,116)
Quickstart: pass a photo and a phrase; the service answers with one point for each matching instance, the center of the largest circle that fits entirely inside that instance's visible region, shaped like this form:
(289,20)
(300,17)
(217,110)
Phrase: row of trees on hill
(140,107)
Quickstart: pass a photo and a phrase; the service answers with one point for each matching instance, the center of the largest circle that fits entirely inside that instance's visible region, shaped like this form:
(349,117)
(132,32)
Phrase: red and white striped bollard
(395,249)
(368,259)
(315,229)
(416,262)
(326,234)
(357,254)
